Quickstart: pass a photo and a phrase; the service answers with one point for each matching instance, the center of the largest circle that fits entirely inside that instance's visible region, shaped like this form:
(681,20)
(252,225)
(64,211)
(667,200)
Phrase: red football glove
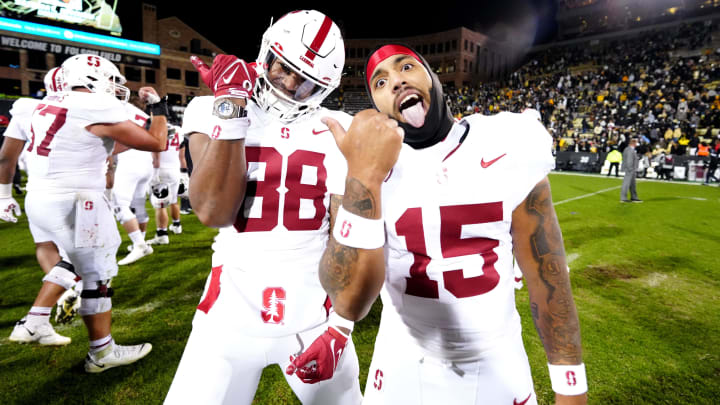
(228,76)
(319,361)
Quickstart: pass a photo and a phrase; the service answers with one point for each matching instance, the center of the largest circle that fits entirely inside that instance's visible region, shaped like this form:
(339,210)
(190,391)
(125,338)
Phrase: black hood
(438,120)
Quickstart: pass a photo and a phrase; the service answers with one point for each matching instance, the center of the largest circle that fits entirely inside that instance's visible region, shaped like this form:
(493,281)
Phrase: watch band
(224,108)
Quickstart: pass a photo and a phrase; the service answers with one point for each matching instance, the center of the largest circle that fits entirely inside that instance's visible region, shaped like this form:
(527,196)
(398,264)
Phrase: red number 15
(452,218)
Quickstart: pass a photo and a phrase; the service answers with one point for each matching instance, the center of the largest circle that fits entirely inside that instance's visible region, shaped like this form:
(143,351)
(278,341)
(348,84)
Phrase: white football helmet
(96,74)
(54,81)
(304,49)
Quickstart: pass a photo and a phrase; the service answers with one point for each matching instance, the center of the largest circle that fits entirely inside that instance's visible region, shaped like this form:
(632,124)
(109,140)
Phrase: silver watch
(225,109)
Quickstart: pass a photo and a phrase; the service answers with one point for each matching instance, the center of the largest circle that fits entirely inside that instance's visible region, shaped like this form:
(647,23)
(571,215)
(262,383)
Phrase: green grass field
(645,280)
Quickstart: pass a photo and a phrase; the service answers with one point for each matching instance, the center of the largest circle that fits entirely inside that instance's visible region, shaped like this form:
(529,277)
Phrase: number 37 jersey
(63,156)
(448,211)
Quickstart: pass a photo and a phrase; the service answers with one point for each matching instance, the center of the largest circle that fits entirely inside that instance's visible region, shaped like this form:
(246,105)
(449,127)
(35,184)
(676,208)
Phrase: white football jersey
(283,225)
(64,156)
(133,159)
(170,157)
(21,113)
(448,211)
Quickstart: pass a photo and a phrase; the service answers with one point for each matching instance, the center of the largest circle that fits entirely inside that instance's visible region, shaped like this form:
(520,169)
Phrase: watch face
(225,108)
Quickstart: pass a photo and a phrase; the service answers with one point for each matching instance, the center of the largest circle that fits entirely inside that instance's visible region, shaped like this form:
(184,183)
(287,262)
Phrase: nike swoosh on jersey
(515,401)
(485,164)
(319,132)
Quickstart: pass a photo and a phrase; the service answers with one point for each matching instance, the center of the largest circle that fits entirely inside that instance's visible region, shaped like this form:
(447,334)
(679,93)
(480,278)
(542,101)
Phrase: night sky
(239,31)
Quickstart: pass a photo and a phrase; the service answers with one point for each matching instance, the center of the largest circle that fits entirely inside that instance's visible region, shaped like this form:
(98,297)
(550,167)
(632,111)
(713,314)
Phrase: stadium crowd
(661,86)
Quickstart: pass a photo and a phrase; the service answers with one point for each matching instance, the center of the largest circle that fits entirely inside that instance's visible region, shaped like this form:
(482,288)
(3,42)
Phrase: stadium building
(31,46)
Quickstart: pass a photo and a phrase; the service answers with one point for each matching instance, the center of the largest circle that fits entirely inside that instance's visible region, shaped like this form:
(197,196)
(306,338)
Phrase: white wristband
(358,232)
(5,190)
(568,379)
(335,320)
(230,129)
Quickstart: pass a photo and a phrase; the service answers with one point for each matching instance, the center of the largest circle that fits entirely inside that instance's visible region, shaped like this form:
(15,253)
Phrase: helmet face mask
(300,64)
(96,74)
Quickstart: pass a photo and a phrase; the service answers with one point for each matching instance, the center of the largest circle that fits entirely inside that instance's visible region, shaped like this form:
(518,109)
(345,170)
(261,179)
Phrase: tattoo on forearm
(335,267)
(338,260)
(557,325)
(358,199)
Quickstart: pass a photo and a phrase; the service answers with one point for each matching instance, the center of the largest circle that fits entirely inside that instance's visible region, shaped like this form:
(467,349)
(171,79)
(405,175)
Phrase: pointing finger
(203,69)
(335,128)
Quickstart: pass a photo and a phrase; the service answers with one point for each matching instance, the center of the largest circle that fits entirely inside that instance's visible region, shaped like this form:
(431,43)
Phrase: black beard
(438,120)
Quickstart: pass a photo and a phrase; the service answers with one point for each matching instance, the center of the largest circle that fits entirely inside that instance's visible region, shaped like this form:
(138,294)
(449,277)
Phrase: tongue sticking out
(414,115)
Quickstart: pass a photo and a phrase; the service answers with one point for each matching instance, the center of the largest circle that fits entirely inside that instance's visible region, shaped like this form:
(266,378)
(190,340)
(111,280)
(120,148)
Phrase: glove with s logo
(319,361)
(9,208)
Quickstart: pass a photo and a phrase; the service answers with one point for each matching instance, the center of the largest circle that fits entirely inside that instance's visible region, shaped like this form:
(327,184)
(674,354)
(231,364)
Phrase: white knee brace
(138,204)
(96,301)
(62,274)
(123,214)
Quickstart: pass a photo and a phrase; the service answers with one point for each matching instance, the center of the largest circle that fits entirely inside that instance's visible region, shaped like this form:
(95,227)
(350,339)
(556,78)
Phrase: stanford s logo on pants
(273,307)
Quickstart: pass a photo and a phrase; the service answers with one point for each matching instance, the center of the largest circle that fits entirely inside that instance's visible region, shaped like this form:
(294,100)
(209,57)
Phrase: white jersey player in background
(263,301)
(455,200)
(164,187)
(53,261)
(73,133)
(132,175)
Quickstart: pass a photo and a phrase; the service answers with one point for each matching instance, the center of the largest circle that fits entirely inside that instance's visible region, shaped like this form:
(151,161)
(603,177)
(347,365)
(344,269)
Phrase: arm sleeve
(533,158)
(198,116)
(18,129)
(21,113)
(101,109)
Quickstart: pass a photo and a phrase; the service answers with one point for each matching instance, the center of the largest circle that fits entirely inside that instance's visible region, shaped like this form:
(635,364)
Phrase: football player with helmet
(53,261)
(133,173)
(164,187)
(432,213)
(72,134)
(265,171)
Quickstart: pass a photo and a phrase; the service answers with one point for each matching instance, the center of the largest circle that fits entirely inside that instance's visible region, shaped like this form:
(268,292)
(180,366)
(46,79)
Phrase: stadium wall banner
(593,162)
(61,49)
(580,161)
(49,31)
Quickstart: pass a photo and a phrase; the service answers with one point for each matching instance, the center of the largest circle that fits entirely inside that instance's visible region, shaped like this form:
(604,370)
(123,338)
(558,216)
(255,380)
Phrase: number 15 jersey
(448,211)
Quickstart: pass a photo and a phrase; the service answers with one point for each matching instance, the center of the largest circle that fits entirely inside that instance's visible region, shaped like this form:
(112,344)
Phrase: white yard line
(586,195)
(602,176)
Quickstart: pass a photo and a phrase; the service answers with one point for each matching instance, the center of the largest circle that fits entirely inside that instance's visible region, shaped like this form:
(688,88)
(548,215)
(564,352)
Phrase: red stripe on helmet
(54,80)
(385,52)
(319,38)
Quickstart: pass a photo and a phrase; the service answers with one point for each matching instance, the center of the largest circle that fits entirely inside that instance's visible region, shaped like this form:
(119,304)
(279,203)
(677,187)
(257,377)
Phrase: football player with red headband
(268,173)
(432,213)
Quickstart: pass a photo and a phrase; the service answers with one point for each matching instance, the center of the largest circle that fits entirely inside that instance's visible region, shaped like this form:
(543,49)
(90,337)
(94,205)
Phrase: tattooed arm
(538,247)
(352,277)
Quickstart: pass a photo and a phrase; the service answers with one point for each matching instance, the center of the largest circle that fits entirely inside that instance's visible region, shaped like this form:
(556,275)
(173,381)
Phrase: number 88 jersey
(291,171)
(448,211)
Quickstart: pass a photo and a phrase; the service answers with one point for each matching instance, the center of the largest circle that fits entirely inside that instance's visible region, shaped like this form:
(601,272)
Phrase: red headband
(385,52)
